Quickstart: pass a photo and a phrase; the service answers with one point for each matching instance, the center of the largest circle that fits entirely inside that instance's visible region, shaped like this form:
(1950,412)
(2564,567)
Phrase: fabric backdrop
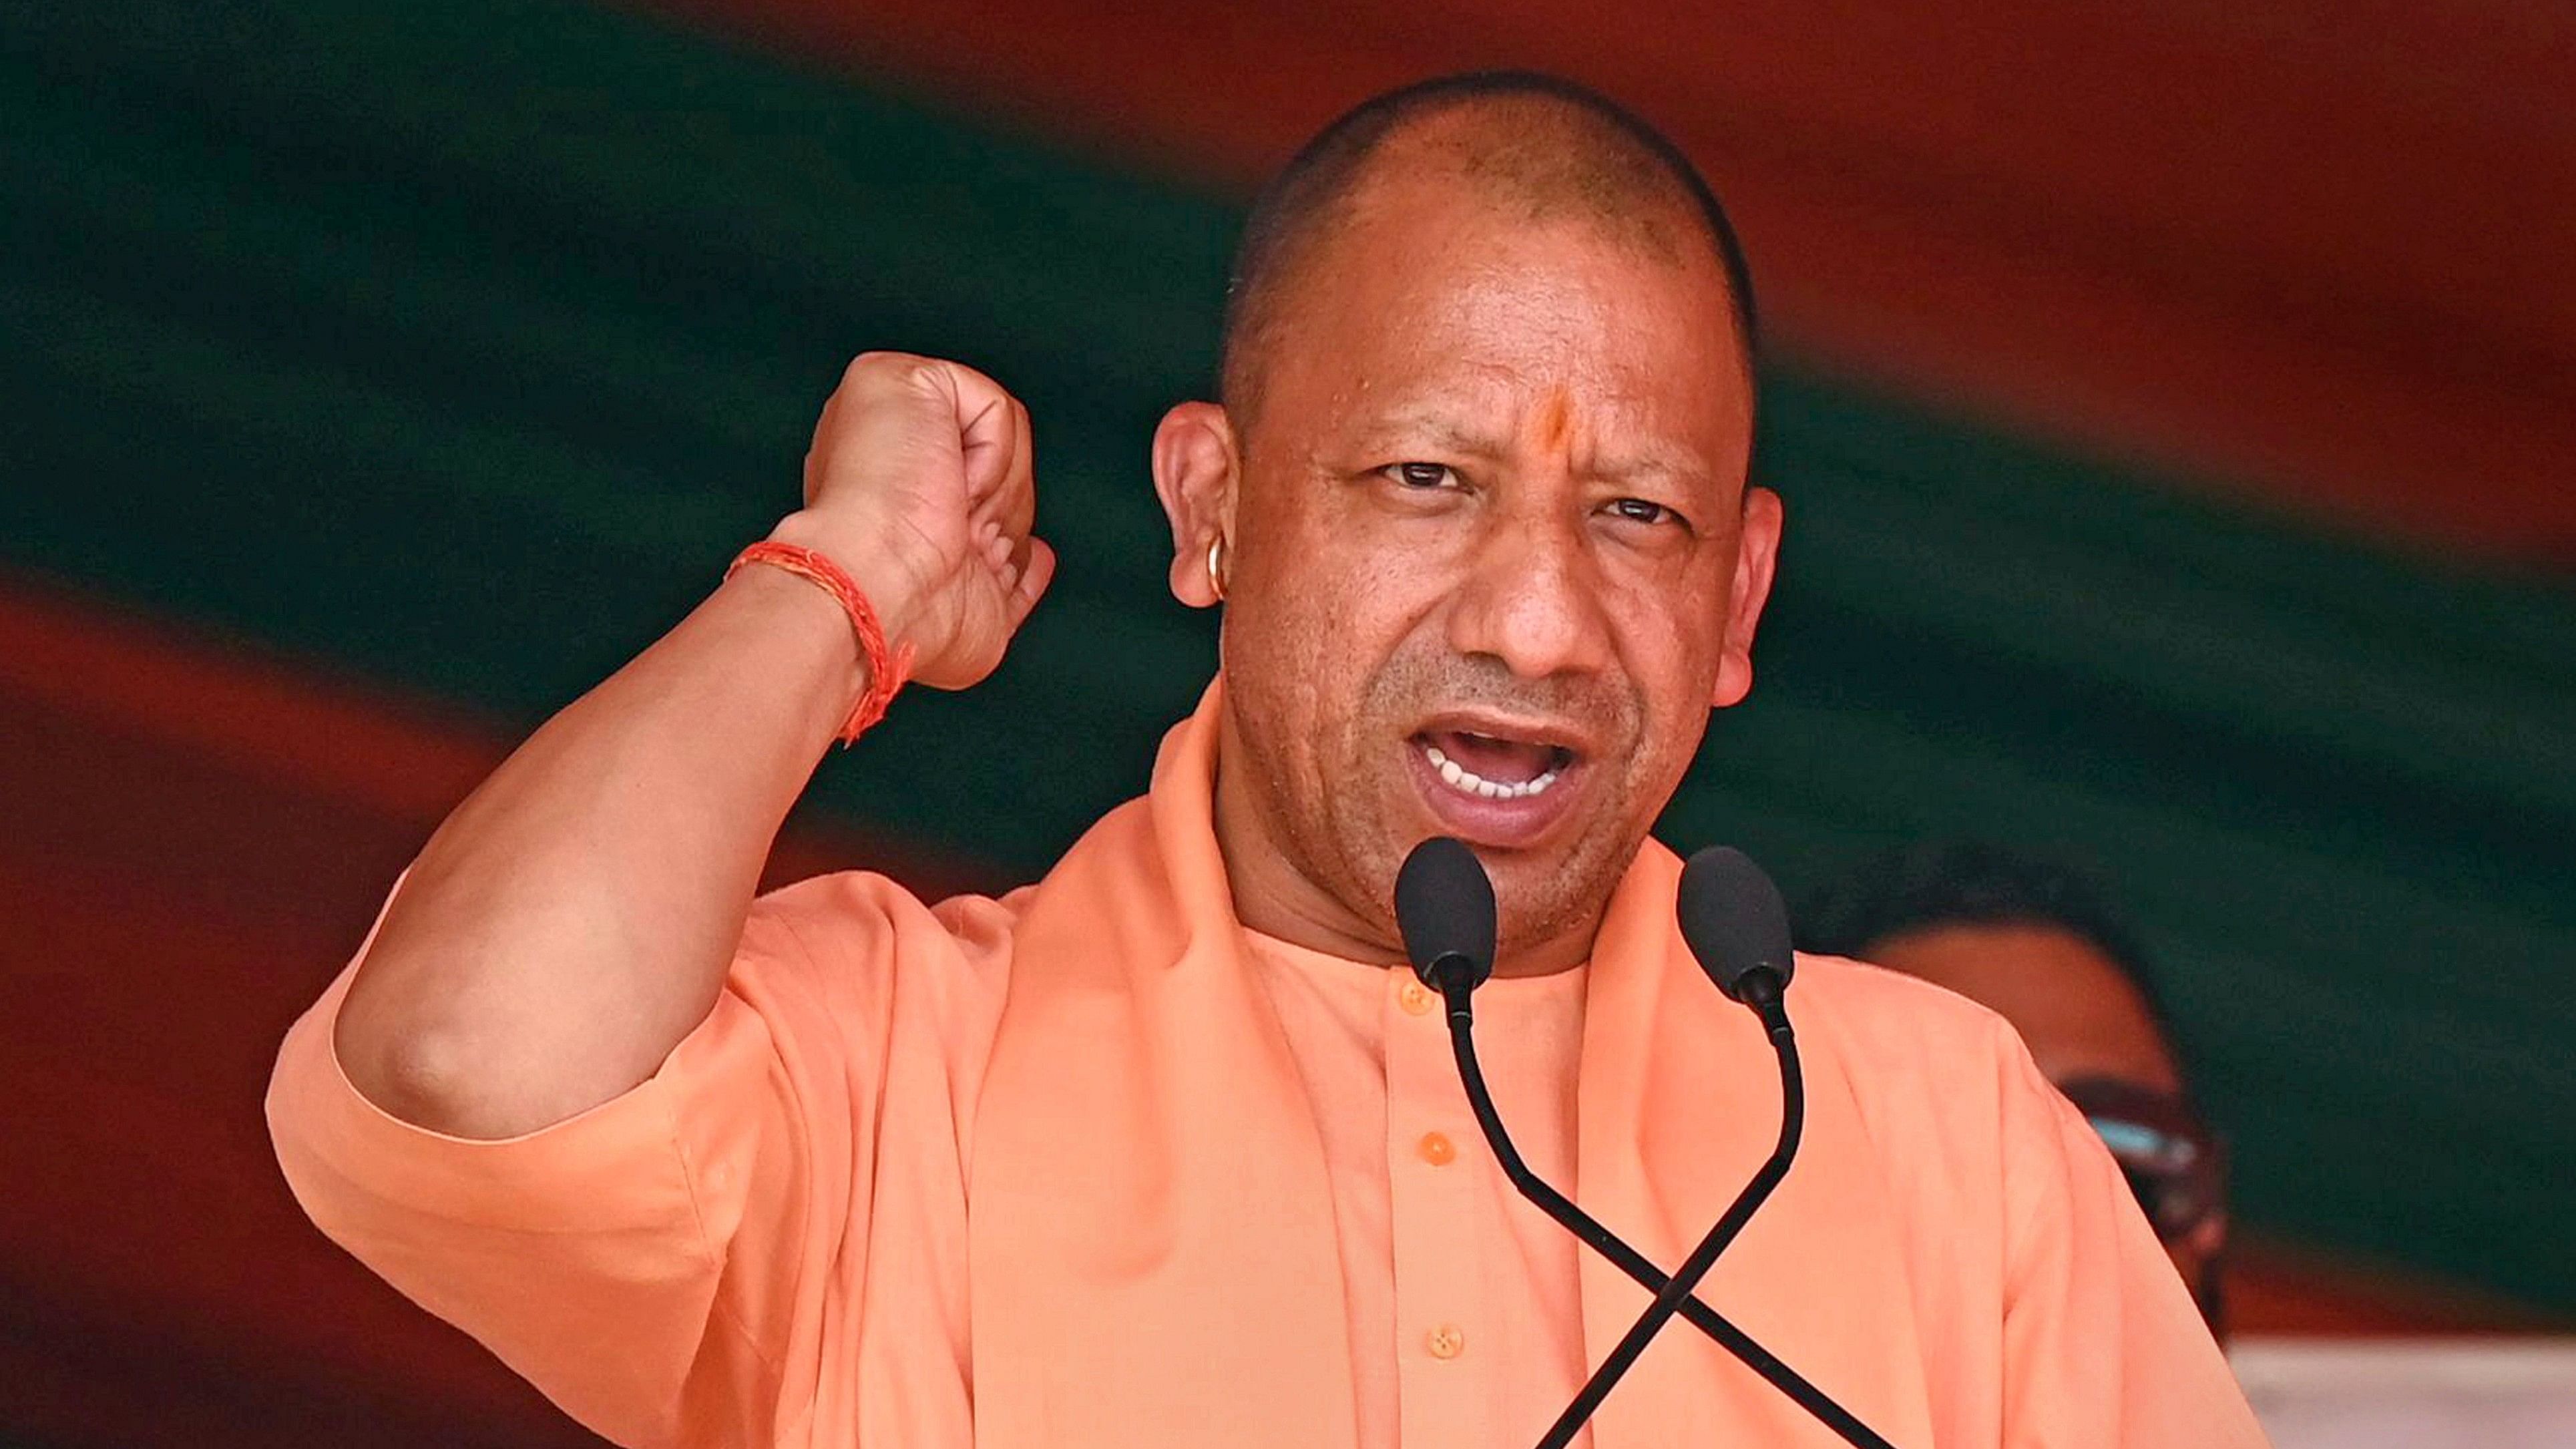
(459,346)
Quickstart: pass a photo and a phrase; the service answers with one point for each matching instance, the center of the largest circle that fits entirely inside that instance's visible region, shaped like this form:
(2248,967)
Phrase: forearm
(574,918)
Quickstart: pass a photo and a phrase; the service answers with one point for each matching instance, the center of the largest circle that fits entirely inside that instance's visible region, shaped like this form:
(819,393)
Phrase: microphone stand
(1672,1295)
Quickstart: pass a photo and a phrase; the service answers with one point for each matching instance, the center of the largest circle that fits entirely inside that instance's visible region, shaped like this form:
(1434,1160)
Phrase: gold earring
(1216,566)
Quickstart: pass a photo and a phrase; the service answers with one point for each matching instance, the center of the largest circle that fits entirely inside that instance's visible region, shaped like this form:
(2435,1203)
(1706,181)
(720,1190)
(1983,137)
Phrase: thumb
(1032,582)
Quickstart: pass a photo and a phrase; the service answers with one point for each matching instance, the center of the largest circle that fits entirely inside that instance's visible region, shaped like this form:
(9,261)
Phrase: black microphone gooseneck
(1444,909)
(1738,929)
(1445,912)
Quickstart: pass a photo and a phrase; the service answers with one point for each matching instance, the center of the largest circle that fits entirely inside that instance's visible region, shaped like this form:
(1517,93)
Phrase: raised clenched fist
(918,484)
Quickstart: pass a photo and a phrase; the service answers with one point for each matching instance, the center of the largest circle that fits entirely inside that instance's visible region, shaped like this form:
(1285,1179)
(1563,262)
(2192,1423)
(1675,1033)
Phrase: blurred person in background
(2039,944)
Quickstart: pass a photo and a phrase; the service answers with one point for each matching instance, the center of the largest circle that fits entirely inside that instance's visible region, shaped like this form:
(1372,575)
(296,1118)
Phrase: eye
(1420,475)
(1639,510)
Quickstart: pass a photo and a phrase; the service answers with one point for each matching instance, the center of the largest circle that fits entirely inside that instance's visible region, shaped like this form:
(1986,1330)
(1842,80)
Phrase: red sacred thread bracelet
(887,668)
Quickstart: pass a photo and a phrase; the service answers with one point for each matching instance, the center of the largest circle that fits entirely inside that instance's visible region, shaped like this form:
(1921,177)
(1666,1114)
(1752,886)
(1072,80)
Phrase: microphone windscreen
(1733,918)
(1444,907)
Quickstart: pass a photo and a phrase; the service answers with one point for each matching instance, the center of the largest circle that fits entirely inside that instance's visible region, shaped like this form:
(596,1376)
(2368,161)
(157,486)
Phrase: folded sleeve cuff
(616,1167)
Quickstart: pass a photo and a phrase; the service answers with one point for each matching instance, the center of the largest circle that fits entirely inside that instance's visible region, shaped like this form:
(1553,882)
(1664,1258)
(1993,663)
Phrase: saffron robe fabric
(1040,1173)
(1464,1304)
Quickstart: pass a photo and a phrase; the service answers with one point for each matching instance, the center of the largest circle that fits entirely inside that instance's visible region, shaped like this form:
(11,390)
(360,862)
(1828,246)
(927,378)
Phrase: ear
(1757,550)
(1195,468)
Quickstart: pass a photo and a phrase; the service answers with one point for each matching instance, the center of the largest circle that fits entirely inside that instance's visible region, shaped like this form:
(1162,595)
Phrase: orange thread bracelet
(887,668)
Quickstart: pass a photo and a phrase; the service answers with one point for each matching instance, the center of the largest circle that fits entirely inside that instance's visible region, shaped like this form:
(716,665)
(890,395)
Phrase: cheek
(1314,616)
(1343,589)
(1672,638)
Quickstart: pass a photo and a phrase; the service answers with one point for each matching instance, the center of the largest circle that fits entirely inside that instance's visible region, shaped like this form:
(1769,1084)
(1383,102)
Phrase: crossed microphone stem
(1459,897)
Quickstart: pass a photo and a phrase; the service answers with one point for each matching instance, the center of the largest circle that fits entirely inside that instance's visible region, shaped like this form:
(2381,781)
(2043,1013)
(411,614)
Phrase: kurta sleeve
(2103,1345)
(658,1264)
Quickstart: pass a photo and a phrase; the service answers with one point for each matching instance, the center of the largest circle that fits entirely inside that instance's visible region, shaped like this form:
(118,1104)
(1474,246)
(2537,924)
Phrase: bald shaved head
(1535,147)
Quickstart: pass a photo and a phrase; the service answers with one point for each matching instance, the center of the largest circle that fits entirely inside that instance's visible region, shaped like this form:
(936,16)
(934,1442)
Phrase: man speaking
(1160,1151)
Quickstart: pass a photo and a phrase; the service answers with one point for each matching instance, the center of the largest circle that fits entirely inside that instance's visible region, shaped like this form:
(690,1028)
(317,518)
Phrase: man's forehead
(1496,349)
(1433,263)
(1432,309)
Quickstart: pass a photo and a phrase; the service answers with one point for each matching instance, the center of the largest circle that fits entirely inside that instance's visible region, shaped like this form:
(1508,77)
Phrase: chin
(1543,896)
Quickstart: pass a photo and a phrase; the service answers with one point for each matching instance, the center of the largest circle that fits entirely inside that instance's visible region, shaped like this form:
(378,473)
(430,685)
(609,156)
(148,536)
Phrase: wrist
(789,607)
(882,667)
(882,579)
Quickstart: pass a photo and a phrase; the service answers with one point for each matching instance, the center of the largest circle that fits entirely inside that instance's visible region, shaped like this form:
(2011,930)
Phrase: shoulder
(856,912)
(1924,1065)
(856,946)
(1921,1064)
(1898,1021)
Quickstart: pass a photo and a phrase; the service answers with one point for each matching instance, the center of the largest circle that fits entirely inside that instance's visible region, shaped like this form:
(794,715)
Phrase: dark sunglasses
(2175,1165)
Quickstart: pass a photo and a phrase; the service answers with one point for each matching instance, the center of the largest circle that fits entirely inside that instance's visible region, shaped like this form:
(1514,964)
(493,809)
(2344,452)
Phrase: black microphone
(1737,928)
(1444,909)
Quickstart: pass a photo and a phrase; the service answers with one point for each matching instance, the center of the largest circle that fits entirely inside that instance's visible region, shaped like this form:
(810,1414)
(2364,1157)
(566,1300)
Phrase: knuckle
(879,369)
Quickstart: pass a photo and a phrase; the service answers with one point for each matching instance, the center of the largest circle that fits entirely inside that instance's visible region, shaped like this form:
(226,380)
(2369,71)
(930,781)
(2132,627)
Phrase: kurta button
(1415,998)
(1446,1341)
(1437,1149)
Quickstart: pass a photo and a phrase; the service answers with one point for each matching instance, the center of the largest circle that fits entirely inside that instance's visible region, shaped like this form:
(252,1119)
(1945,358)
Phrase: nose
(1531,597)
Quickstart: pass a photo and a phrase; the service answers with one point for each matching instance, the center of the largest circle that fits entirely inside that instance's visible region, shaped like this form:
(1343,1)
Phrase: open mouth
(1500,782)
(1492,767)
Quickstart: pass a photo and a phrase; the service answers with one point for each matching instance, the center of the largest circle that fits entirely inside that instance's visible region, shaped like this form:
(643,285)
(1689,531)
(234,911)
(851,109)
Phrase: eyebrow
(1439,432)
(1423,425)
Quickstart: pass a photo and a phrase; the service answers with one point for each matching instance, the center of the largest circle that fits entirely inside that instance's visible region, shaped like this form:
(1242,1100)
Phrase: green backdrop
(460,346)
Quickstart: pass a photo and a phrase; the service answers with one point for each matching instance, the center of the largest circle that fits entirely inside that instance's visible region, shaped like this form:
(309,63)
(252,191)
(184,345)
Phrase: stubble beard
(1344,830)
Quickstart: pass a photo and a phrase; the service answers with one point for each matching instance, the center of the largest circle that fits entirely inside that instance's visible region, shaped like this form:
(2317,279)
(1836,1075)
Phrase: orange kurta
(1079,1167)
(1464,1304)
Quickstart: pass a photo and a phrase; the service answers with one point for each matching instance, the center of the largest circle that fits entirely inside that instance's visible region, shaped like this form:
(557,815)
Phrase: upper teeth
(1475,784)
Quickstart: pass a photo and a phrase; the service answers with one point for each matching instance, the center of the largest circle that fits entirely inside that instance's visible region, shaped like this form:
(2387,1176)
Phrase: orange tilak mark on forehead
(1554,425)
